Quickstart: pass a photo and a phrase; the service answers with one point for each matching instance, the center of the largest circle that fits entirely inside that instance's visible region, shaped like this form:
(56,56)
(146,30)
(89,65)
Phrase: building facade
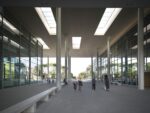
(123,61)
(20,55)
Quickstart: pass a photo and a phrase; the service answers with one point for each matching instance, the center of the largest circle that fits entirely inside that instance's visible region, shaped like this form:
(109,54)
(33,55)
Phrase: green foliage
(116,75)
(53,72)
(83,75)
(131,71)
(148,66)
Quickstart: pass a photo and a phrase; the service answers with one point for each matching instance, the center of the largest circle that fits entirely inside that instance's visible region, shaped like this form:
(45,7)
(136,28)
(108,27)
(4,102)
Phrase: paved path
(120,99)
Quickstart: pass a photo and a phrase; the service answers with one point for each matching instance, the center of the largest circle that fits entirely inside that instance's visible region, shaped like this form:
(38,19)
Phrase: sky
(78,65)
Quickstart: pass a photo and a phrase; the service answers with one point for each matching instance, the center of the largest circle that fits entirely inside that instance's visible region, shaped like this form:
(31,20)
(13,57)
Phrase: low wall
(11,96)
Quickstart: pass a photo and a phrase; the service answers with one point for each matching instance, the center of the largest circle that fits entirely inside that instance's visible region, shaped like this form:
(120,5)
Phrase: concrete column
(58,49)
(97,65)
(92,67)
(108,59)
(66,59)
(140,49)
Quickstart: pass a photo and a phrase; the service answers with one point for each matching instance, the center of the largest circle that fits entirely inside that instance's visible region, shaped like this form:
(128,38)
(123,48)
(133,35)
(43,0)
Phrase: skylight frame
(107,19)
(45,46)
(76,42)
(47,17)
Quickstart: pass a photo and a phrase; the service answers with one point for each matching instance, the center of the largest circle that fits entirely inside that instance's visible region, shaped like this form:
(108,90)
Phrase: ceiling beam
(77,3)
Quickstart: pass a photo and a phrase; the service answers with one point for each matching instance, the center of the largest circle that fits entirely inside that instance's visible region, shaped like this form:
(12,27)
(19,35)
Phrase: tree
(83,75)
(53,71)
(88,71)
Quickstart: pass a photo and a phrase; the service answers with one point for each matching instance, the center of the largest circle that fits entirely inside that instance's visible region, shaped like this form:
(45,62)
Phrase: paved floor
(120,99)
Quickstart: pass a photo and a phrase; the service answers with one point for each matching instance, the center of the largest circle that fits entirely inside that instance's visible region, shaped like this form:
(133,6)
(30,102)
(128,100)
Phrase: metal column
(29,59)
(108,59)
(97,65)
(37,49)
(42,62)
(66,59)
(126,61)
(100,67)
(1,49)
(92,67)
(140,49)
(48,66)
(58,49)
(69,66)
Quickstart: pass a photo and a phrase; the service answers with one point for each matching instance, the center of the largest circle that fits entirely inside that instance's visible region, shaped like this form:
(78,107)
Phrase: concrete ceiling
(77,3)
(76,22)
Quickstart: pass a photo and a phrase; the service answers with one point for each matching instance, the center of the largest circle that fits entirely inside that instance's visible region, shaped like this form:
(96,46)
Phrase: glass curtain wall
(20,55)
(124,56)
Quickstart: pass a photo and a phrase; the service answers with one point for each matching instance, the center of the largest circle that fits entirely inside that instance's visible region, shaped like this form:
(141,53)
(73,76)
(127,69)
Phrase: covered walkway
(120,99)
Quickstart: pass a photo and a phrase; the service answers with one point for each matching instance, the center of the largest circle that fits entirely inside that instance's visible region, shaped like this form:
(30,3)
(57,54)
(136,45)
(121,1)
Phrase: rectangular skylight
(107,19)
(9,25)
(76,41)
(43,43)
(47,17)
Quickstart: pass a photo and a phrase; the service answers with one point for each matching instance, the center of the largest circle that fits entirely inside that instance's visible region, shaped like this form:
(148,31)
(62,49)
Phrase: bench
(29,105)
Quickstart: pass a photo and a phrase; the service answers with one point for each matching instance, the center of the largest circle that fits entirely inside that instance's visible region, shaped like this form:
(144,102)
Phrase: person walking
(93,84)
(106,81)
(65,81)
(80,84)
(75,85)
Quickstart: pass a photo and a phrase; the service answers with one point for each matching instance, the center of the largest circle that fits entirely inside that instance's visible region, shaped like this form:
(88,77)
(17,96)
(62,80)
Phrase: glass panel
(34,63)
(10,59)
(24,60)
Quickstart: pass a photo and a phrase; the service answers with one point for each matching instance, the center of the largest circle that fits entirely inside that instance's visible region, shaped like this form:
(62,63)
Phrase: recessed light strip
(43,43)
(9,25)
(107,19)
(47,17)
(76,42)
